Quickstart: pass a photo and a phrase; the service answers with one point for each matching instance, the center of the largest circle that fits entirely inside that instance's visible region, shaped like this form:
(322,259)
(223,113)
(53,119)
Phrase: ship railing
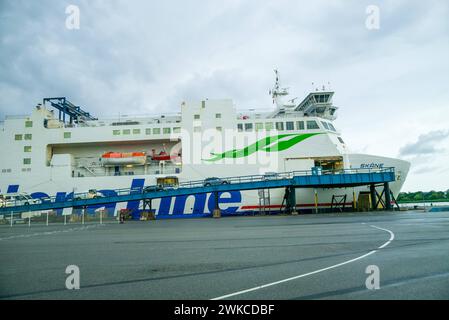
(83,170)
(201,183)
(139,119)
(285,175)
(16,117)
(123,120)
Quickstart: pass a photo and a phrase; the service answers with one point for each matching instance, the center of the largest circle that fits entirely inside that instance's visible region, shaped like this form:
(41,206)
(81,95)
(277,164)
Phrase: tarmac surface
(264,257)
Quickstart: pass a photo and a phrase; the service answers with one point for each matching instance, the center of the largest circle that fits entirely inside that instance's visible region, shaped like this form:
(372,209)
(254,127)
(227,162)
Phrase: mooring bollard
(216,213)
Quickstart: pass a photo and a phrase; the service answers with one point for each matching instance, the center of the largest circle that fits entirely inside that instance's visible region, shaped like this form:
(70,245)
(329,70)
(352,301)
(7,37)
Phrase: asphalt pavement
(263,257)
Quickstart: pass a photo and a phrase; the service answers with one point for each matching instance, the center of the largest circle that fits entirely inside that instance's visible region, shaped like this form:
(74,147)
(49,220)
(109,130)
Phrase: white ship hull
(50,157)
(232,203)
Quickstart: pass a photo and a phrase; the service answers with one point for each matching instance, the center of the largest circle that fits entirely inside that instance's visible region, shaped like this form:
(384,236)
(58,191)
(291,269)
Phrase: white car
(91,194)
(17,199)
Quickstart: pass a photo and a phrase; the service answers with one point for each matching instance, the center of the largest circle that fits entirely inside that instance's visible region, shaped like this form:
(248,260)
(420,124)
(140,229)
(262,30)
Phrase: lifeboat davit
(123,158)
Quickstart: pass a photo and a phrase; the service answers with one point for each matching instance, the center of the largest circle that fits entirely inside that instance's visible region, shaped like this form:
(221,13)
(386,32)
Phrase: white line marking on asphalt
(313,272)
(46,233)
(389,241)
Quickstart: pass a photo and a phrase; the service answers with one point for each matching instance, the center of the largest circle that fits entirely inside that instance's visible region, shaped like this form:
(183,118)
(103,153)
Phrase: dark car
(214,181)
(270,176)
(152,188)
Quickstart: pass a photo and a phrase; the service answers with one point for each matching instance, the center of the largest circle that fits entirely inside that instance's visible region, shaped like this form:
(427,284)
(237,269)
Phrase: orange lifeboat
(124,158)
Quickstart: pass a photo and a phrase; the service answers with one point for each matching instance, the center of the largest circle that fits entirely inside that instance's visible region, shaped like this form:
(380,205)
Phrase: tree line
(420,196)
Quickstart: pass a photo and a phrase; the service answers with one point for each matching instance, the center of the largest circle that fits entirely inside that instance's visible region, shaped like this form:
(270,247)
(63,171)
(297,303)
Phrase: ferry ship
(60,150)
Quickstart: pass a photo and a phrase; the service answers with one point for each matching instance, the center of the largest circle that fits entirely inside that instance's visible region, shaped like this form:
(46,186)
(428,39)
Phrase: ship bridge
(315,104)
(318,104)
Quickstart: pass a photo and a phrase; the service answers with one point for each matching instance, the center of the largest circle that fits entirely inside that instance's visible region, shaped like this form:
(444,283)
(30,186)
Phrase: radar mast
(277,92)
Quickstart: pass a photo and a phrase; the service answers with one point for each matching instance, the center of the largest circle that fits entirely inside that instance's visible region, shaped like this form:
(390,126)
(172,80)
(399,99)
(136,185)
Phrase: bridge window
(28,124)
(341,140)
(299,125)
(136,131)
(321,98)
(116,132)
(332,127)
(27,149)
(28,136)
(177,130)
(290,125)
(239,127)
(148,131)
(156,130)
(325,125)
(126,131)
(312,125)
(18,137)
(196,116)
(218,115)
(166,130)
(67,135)
(259,126)
(248,127)
(27,161)
(279,126)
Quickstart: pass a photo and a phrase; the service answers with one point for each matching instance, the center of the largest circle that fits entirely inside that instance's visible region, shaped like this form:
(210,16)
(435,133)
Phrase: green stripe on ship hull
(267,144)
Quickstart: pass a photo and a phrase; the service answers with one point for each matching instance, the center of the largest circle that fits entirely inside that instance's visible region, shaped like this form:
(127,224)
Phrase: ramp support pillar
(291,203)
(217,211)
(372,190)
(387,196)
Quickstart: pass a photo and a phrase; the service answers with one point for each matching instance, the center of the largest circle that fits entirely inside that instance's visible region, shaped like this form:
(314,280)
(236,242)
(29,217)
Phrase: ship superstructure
(60,149)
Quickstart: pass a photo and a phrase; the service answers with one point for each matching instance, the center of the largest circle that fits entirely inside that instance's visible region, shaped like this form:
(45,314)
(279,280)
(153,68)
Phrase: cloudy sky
(135,57)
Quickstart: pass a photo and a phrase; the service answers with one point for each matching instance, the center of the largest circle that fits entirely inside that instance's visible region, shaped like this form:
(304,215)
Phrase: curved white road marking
(389,241)
(313,272)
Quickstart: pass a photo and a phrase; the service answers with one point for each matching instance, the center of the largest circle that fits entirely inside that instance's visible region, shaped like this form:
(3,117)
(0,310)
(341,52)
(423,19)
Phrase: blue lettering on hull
(203,204)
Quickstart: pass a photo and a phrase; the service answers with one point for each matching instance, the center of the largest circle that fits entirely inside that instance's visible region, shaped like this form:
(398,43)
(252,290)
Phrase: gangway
(289,180)
(66,108)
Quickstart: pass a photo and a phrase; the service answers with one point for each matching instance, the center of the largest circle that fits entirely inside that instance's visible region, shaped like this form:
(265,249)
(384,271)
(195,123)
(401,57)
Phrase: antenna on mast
(277,91)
